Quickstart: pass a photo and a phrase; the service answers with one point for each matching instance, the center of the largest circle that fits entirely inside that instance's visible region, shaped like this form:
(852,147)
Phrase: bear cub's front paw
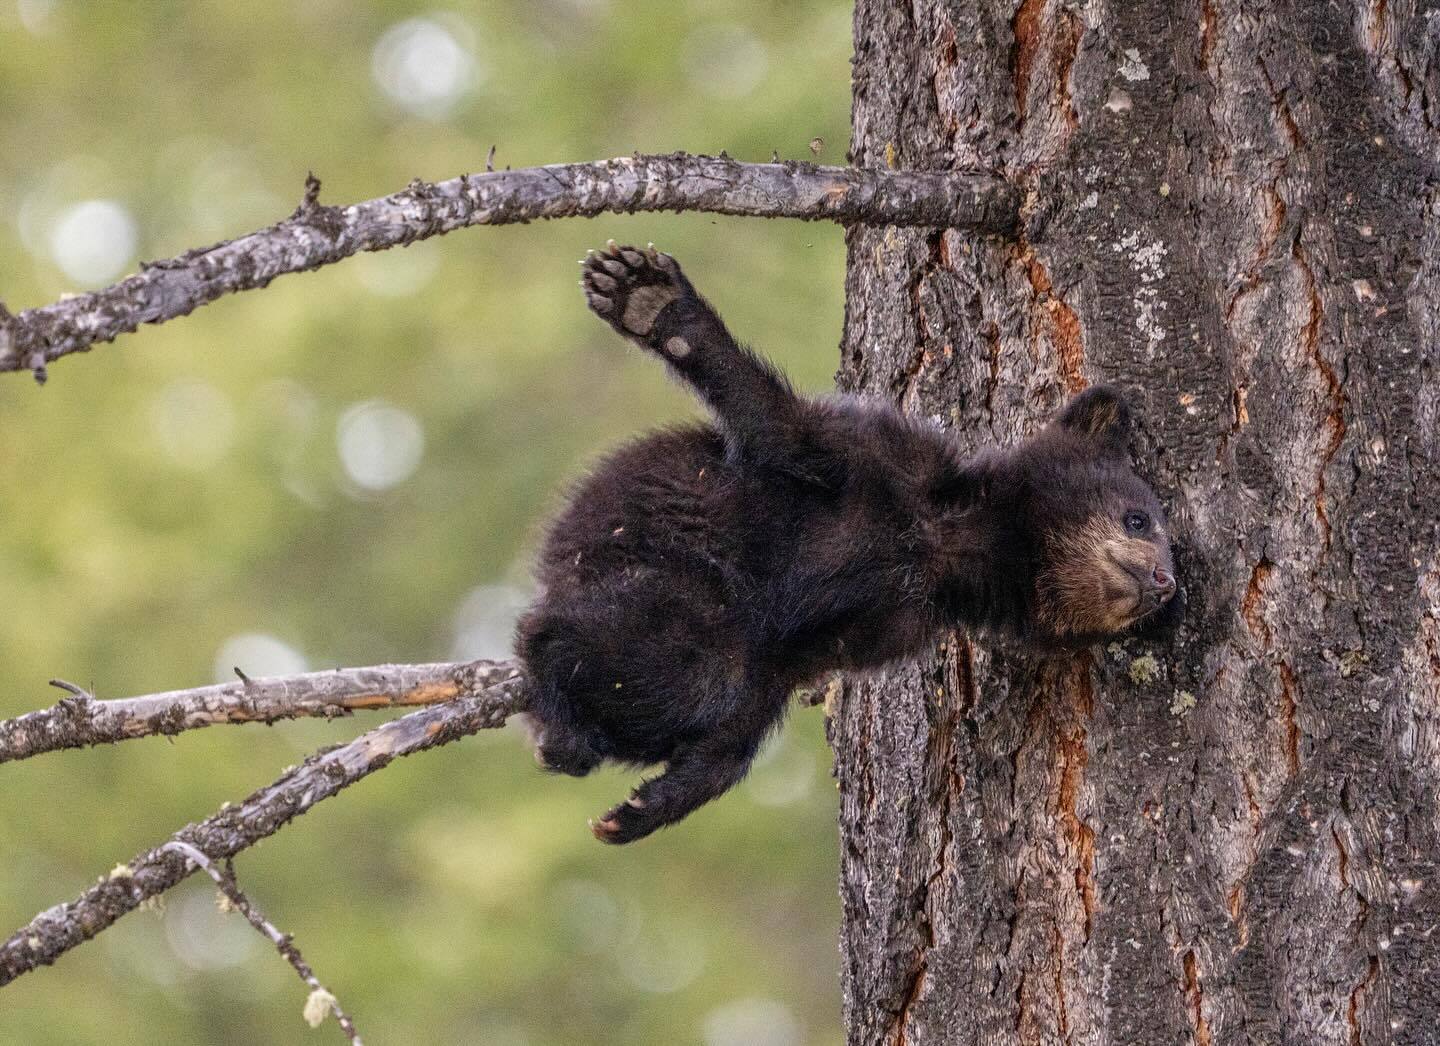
(627,287)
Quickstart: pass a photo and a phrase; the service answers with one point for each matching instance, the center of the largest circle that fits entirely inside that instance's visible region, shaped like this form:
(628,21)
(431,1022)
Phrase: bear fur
(703,572)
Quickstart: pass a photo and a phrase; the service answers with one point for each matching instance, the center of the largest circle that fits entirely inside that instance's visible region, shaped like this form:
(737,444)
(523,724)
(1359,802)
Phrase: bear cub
(703,572)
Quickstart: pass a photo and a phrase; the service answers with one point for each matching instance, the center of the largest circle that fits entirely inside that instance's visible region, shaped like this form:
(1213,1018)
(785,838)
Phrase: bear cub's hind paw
(625,823)
(627,287)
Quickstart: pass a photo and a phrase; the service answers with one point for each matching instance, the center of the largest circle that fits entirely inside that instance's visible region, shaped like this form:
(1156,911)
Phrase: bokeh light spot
(752,1021)
(93,242)
(35,15)
(781,775)
(202,936)
(380,445)
(257,655)
(485,622)
(396,273)
(423,67)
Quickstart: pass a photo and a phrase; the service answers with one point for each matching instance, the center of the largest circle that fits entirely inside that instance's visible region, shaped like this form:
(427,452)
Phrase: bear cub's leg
(693,776)
(645,297)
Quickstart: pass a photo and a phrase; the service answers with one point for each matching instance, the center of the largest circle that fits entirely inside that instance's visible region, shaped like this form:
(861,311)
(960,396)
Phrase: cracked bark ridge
(235,828)
(1230,836)
(316,234)
(80,721)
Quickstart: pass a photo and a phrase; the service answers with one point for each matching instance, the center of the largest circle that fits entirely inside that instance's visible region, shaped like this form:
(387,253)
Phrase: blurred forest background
(352,467)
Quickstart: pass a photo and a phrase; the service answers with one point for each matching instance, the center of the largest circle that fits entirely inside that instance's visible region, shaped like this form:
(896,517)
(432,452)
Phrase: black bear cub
(703,572)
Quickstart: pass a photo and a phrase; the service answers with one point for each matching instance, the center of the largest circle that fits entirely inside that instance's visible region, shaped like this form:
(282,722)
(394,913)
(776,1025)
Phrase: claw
(605,830)
(612,248)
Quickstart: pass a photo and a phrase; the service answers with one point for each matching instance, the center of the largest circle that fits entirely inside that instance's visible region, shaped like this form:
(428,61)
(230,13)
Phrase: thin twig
(78,721)
(234,828)
(317,235)
(283,942)
(72,688)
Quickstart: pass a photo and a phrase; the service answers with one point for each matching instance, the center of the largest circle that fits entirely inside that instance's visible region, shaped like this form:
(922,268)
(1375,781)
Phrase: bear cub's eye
(1137,522)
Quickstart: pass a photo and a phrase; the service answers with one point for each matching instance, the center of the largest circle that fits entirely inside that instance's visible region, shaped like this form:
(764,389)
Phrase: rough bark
(80,720)
(317,235)
(237,827)
(1231,837)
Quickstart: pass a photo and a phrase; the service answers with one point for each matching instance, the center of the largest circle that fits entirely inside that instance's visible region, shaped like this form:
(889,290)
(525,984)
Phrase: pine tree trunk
(1231,837)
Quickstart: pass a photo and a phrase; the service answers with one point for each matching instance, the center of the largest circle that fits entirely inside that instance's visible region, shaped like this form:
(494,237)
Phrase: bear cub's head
(1102,562)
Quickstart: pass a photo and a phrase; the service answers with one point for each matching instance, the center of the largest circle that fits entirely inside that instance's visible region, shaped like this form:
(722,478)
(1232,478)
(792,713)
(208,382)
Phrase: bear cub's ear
(1101,414)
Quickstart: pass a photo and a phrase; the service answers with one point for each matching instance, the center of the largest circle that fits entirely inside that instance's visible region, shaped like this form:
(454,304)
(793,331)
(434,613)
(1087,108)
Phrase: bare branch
(234,828)
(80,720)
(317,235)
(283,942)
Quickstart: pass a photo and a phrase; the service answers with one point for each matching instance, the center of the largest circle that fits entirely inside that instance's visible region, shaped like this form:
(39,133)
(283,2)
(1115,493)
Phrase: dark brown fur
(702,573)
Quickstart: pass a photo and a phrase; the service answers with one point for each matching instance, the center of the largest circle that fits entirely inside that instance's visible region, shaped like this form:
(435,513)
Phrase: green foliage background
(182,487)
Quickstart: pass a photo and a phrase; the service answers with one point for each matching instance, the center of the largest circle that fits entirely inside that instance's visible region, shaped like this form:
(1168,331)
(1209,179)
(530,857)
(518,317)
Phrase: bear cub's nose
(1164,583)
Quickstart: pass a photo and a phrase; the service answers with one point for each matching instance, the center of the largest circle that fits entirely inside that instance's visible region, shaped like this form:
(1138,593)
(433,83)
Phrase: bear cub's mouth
(1153,589)
(1154,586)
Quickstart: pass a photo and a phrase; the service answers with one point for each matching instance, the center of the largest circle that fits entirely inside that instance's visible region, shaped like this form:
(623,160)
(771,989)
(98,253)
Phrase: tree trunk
(1232,836)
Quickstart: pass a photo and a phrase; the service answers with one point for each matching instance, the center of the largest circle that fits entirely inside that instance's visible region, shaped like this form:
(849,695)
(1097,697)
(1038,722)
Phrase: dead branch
(322,1001)
(80,720)
(464,699)
(317,235)
(234,828)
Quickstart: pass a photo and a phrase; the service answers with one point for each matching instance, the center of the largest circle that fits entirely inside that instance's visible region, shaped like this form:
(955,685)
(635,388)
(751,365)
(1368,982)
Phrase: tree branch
(55,931)
(465,698)
(80,720)
(317,235)
(322,1001)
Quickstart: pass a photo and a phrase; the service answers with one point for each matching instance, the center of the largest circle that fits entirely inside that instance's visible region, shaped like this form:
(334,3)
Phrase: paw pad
(628,288)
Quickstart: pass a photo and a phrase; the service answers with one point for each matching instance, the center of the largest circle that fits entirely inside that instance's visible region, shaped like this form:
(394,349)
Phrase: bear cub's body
(703,572)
